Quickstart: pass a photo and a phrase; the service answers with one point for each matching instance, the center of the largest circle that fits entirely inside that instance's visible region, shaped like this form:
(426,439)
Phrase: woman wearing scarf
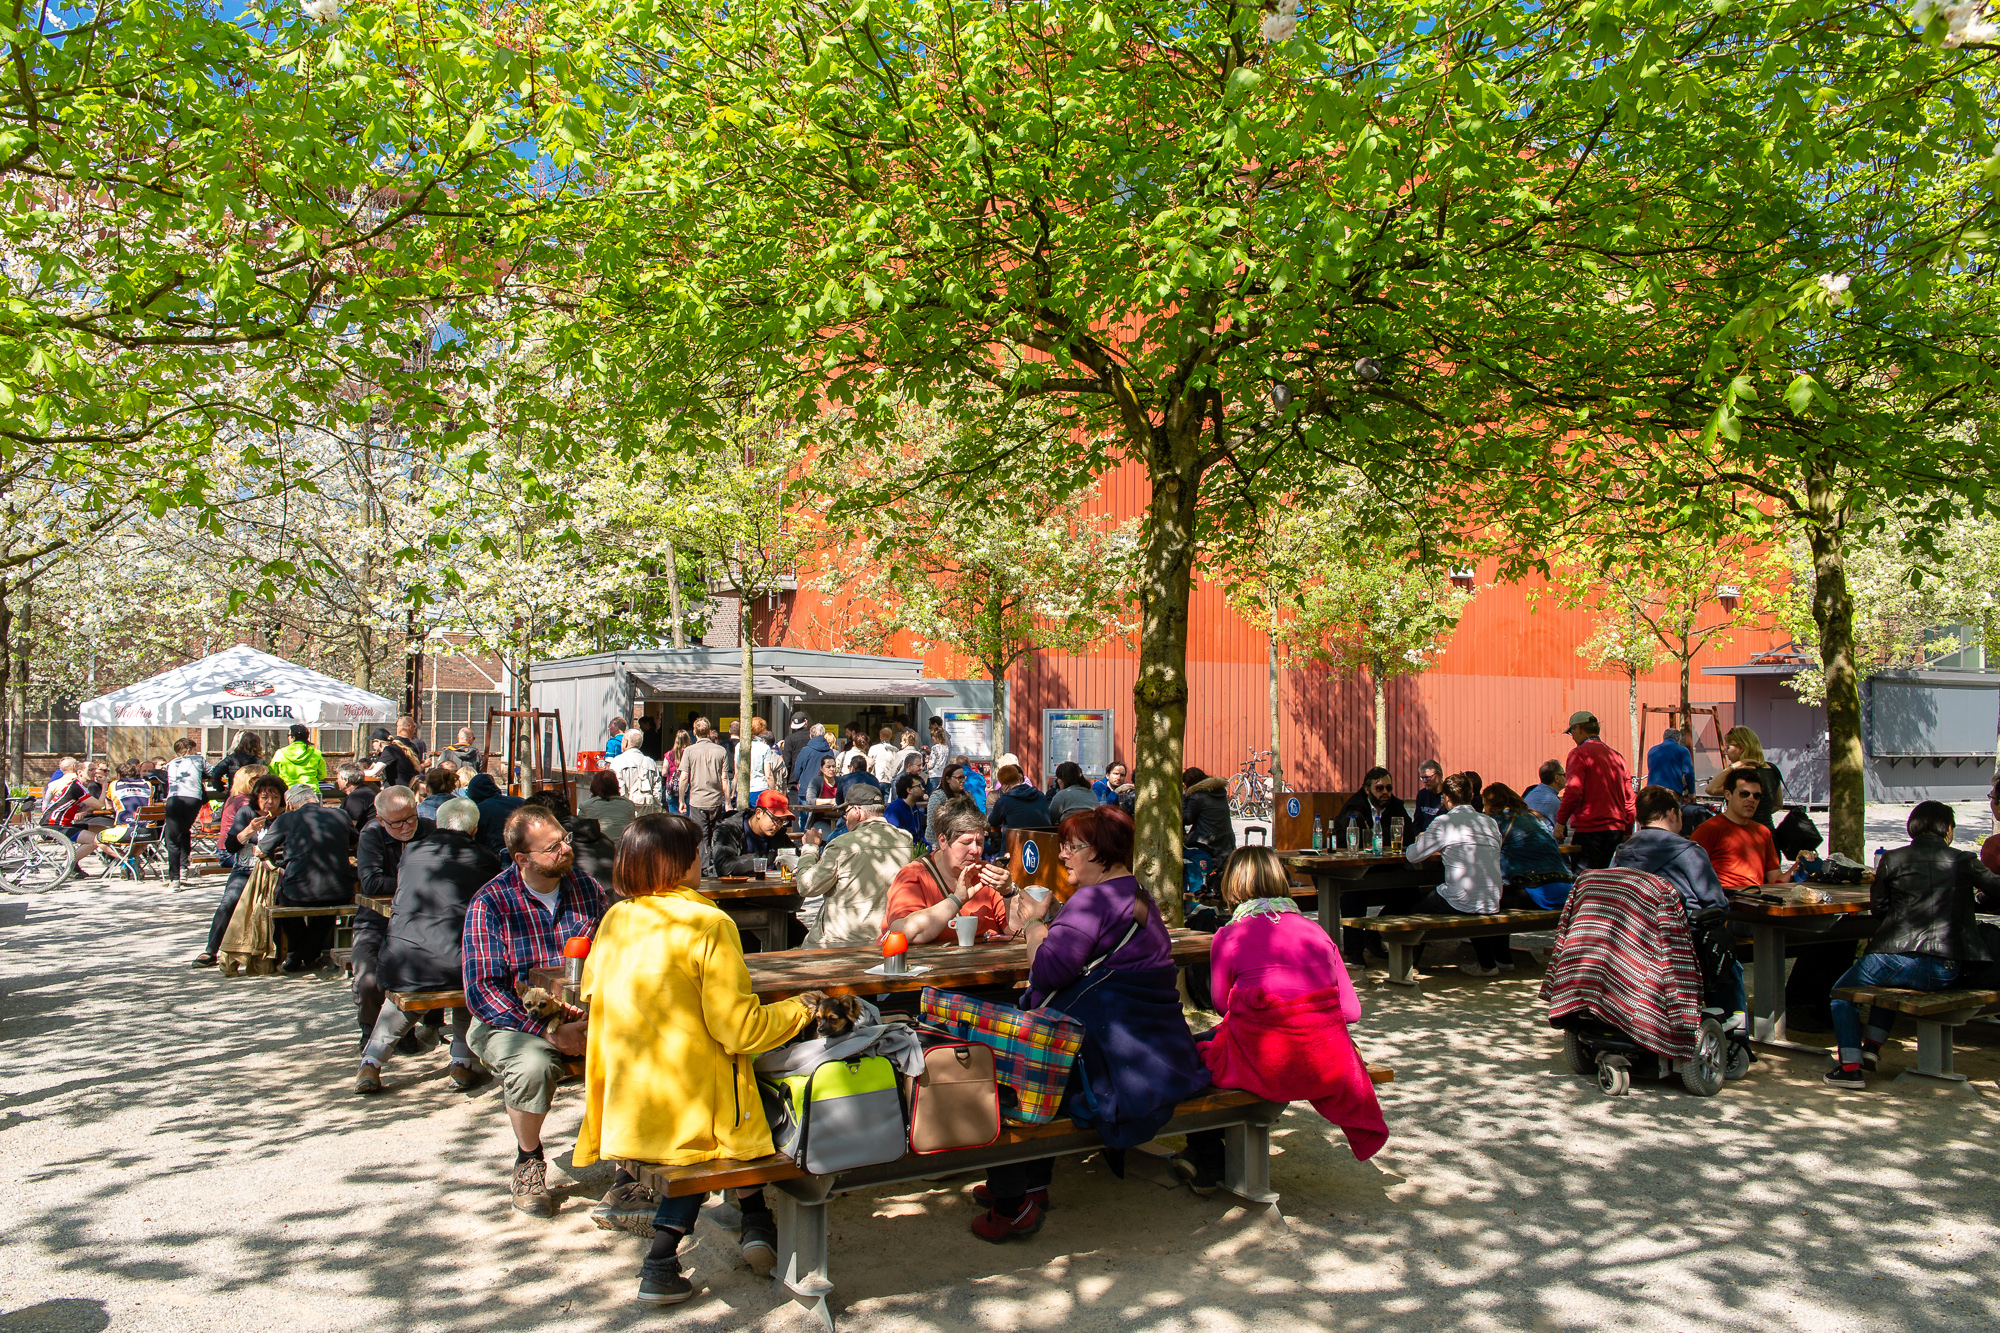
(1286,1003)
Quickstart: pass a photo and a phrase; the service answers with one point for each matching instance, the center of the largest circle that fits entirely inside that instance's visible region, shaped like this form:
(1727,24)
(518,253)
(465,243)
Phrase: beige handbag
(248,946)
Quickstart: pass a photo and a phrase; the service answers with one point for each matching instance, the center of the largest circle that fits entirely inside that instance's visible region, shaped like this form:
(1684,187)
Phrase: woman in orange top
(927,893)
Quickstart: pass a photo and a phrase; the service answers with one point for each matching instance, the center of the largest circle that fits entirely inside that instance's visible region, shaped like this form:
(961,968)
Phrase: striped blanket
(1625,954)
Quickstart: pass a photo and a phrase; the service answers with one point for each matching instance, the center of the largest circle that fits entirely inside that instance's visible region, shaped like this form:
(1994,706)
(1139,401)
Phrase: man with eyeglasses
(518,922)
(378,858)
(1377,799)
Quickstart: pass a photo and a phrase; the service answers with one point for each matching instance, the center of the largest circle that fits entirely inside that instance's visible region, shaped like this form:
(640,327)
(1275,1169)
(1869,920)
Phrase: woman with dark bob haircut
(674,1026)
(1105,960)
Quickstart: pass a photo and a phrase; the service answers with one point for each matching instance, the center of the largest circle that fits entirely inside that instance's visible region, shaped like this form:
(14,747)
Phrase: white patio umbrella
(239,687)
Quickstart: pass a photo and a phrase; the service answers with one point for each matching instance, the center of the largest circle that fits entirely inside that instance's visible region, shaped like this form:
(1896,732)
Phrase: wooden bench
(1402,934)
(417,1001)
(802,1199)
(1937,1012)
(343,914)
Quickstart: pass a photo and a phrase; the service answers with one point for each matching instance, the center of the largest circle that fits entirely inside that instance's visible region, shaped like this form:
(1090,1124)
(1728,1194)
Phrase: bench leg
(802,1234)
(1402,960)
(1246,1162)
(1934,1054)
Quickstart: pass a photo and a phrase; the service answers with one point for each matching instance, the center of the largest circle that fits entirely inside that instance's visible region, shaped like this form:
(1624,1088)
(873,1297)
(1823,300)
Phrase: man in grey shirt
(705,773)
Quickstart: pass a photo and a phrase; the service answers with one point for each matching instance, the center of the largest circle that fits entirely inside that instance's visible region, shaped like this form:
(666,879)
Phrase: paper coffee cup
(967,928)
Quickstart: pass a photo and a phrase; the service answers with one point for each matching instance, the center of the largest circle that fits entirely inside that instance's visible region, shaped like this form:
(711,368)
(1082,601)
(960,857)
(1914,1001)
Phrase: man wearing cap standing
(1596,805)
(762,830)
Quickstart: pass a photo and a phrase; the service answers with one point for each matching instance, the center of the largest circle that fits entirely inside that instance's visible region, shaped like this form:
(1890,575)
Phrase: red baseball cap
(775,802)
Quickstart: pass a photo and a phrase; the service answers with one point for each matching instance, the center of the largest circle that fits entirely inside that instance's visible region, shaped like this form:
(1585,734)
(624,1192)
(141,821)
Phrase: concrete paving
(183,1154)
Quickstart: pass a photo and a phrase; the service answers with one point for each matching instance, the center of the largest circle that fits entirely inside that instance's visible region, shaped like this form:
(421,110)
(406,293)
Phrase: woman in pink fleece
(1286,1002)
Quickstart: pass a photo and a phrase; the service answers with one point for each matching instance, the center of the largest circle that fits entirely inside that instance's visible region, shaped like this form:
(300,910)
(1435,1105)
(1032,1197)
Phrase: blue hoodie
(811,756)
(494,807)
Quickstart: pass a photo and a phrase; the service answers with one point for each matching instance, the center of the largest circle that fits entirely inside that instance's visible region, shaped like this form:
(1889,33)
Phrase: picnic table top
(1770,901)
(774,887)
(845,971)
(374,904)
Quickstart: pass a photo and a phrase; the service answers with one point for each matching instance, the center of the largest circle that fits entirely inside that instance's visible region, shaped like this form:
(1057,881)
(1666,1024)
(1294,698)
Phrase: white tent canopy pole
(239,687)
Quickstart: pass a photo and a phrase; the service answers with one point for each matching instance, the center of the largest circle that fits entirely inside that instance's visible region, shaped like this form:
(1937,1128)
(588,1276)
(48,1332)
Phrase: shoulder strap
(1098,961)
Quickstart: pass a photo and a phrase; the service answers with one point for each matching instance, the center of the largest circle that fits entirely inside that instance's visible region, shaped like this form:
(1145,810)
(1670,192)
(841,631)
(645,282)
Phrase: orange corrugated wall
(1496,702)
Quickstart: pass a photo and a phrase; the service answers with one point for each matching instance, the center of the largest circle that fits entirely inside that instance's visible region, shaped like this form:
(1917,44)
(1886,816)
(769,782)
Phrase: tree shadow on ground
(187,1149)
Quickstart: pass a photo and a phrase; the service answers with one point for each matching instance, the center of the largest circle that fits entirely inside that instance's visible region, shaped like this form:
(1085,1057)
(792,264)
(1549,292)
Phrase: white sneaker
(1475,970)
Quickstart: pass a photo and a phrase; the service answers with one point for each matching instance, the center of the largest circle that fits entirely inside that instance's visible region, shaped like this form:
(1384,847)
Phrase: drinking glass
(1395,835)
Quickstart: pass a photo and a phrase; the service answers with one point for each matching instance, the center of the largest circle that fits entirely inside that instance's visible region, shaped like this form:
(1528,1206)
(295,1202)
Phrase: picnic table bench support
(802,1244)
(1936,1013)
(1934,1050)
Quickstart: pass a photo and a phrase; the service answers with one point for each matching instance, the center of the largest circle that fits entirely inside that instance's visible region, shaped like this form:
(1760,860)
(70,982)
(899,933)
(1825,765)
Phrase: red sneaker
(983,1197)
(989,1225)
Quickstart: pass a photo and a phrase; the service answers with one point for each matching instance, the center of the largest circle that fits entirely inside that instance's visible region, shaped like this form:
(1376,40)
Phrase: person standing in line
(670,775)
(704,782)
(653,739)
(936,756)
(614,744)
(1669,765)
(798,734)
(638,774)
(1596,806)
(761,754)
(187,778)
(885,758)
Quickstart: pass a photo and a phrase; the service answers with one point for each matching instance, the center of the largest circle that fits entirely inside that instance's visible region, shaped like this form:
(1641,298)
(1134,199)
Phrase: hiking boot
(1201,1179)
(466,1077)
(990,1225)
(758,1242)
(1846,1076)
(626,1208)
(531,1188)
(368,1082)
(663,1284)
(983,1197)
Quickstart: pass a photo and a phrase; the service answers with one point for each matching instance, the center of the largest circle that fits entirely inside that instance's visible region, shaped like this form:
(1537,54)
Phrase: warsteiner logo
(248,689)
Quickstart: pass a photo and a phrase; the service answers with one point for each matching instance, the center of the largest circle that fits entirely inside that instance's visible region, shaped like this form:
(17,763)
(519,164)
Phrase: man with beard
(518,922)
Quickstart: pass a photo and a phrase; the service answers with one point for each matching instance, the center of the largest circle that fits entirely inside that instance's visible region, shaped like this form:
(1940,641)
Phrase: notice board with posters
(969,734)
(1080,736)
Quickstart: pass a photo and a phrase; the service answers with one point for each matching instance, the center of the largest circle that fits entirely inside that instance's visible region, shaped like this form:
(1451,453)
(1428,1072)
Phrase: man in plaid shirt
(517,922)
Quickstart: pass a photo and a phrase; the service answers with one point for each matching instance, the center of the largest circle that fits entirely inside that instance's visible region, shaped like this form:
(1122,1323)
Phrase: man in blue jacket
(1669,765)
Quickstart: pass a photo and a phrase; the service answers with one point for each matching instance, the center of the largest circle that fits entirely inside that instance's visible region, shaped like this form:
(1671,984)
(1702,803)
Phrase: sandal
(203,960)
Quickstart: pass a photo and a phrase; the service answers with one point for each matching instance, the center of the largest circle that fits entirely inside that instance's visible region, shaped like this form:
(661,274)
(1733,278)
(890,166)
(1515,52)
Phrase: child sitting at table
(674,1027)
(1286,1003)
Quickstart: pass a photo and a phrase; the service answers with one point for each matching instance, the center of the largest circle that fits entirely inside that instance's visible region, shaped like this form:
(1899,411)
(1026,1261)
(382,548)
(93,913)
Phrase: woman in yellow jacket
(674,1027)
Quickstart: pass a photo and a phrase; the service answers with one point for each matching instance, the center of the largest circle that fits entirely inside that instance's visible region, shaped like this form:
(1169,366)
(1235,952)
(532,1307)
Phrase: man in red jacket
(1596,805)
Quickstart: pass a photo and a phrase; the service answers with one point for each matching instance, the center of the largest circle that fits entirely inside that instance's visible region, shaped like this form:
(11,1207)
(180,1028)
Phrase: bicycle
(1250,791)
(34,858)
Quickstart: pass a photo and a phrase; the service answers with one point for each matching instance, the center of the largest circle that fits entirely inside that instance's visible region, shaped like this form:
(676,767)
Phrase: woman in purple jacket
(1106,961)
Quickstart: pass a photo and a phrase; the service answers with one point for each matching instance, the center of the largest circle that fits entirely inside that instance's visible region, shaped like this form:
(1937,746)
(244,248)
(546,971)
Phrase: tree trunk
(1277,766)
(1687,707)
(1160,696)
(746,694)
(996,735)
(21,646)
(1632,703)
(7,684)
(1833,615)
(1381,718)
(674,595)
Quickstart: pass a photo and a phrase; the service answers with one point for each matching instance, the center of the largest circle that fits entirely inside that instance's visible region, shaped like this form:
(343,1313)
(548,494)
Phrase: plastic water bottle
(1378,835)
(1880,852)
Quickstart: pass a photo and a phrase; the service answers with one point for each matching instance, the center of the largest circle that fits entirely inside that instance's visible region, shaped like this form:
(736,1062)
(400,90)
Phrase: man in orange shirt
(1741,848)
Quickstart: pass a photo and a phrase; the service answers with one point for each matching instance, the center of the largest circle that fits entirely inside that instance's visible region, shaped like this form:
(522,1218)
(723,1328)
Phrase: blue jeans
(678,1213)
(1911,971)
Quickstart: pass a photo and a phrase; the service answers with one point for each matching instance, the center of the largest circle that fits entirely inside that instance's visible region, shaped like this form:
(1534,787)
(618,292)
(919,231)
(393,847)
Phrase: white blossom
(320,11)
(1283,25)
(1833,284)
(1966,22)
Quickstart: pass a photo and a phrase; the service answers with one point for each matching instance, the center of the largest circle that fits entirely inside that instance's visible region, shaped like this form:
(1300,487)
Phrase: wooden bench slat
(1393,925)
(731,1173)
(417,1001)
(345,909)
(1918,1002)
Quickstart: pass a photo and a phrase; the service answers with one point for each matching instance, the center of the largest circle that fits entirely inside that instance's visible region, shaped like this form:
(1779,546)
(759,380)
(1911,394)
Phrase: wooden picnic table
(778,976)
(1365,880)
(375,904)
(761,908)
(1777,918)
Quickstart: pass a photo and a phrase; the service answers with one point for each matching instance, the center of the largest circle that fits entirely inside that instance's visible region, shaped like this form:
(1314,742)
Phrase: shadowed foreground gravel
(181,1153)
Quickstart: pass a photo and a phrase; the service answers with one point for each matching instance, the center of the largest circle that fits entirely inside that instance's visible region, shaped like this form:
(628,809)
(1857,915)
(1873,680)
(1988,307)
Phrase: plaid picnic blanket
(1033,1049)
(1624,953)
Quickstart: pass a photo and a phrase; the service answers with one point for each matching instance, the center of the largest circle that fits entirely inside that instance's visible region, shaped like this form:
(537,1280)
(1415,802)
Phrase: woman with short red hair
(1106,960)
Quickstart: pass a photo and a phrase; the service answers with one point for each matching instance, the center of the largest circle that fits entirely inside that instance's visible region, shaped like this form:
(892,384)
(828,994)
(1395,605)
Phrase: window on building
(452,709)
(52,727)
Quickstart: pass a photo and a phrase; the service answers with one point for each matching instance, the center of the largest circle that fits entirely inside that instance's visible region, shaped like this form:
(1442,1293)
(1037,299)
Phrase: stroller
(1638,988)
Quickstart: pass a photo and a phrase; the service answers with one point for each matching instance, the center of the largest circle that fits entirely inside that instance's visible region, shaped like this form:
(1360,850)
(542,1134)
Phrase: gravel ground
(184,1155)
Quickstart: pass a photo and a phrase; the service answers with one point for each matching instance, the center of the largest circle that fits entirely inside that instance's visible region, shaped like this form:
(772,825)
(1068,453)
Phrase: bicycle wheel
(1240,796)
(34,859)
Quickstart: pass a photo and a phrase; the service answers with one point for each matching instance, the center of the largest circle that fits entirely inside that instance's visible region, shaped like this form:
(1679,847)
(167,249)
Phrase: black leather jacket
(1924,898)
